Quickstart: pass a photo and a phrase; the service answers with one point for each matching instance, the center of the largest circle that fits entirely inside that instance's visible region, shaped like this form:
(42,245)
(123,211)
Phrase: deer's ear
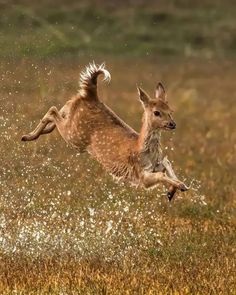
(143,96)
(160,92)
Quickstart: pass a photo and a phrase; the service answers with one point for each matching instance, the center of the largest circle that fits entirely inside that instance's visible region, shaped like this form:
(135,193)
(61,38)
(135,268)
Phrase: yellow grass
(70,229)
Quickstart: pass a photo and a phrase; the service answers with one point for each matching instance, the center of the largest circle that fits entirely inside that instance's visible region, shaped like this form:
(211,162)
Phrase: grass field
(65,226)
(131,28)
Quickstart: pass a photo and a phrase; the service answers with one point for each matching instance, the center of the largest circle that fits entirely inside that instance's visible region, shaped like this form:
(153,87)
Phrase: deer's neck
(150,146)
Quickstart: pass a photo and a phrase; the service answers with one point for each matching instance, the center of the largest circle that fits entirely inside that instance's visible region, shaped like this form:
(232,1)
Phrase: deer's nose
(172,125)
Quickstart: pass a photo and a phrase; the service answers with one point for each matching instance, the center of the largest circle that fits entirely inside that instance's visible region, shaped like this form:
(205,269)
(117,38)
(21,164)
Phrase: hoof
(183,187)
(170,195)
(24,138)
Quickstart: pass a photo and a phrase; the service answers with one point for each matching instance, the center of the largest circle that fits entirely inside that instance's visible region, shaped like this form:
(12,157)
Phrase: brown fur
(89,125)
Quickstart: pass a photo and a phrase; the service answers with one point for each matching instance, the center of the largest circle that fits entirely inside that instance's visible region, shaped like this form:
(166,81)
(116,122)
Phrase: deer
(89,125)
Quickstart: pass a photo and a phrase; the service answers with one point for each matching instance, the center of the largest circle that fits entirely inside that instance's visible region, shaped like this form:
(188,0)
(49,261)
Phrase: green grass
(88,28)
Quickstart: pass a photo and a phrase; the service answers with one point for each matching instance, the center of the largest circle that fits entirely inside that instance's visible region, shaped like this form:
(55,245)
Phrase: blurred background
(65,225)
(175,28)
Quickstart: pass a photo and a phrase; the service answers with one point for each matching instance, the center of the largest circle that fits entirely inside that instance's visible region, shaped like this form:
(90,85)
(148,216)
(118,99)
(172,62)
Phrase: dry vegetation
(69,229)
(65,226)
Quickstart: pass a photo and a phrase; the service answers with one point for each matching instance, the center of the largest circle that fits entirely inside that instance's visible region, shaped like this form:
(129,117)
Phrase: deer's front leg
(170,172)
(166,163)
(172,190)
(150,179)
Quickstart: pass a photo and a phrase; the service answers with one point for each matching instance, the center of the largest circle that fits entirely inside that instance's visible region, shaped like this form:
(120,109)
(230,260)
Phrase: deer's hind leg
(49,128)
(46,125)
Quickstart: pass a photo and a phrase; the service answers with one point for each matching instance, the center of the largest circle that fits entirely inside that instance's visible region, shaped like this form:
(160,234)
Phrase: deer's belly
(118,164)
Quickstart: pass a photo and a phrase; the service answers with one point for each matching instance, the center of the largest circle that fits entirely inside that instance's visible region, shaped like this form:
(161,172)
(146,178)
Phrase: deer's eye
(157,114)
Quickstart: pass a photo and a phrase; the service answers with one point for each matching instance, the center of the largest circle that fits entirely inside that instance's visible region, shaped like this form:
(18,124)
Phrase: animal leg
(49,128)
(170,172)
(151,179)
(166,163)
(46,125)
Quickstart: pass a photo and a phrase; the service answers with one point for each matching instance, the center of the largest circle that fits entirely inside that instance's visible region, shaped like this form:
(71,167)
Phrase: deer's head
(157,111)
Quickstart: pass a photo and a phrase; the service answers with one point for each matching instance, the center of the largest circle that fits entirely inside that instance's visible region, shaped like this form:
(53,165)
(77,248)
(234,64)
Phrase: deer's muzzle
(171,125)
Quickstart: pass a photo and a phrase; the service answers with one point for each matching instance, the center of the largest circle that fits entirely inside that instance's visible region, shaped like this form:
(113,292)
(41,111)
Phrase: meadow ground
(65,226)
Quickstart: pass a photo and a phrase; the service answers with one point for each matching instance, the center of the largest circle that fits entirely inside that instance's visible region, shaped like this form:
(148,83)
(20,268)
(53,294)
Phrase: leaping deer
(89,125)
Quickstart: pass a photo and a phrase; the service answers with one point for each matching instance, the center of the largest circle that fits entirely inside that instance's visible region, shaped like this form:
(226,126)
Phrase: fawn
(89,125)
